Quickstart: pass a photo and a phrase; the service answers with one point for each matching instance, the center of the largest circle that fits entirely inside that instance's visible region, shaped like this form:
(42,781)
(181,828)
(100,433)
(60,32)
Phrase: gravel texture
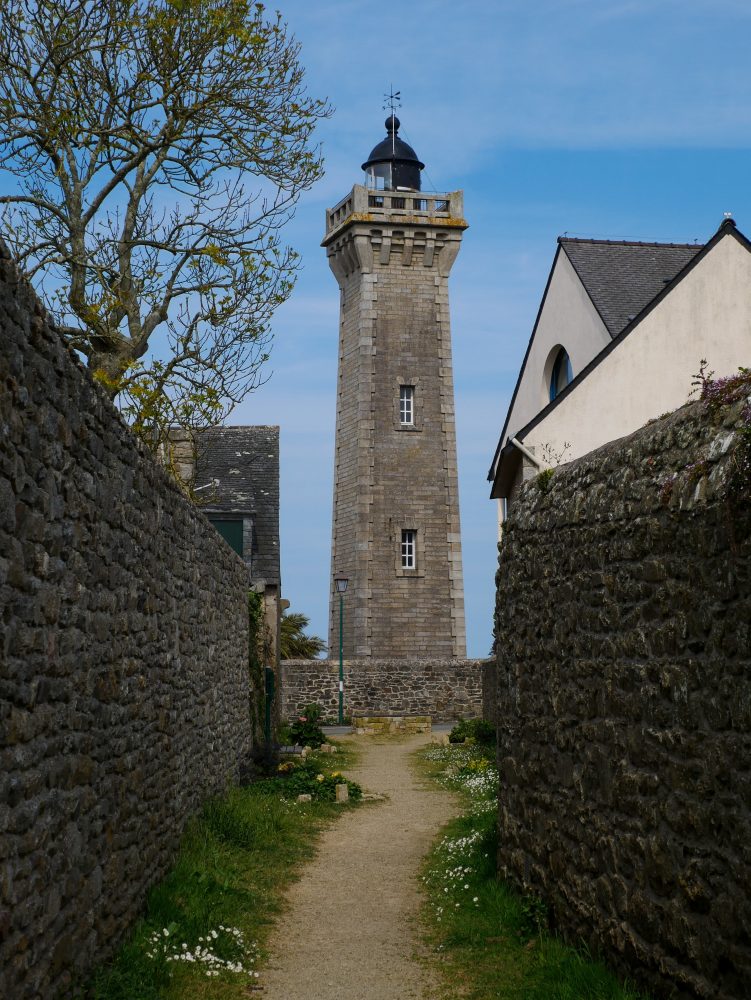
(350,930)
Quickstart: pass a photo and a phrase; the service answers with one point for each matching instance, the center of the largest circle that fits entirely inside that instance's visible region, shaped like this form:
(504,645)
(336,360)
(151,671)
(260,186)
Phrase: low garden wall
(124,643)
(442,689)
(624,701)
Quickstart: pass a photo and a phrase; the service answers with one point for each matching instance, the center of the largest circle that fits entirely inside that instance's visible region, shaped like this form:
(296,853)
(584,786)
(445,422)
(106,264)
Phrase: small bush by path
(493,944)
(307,778)
(205,926)
(473,729)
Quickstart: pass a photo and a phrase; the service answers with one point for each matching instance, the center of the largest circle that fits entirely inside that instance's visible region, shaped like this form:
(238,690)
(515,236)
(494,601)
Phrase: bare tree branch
(159,148)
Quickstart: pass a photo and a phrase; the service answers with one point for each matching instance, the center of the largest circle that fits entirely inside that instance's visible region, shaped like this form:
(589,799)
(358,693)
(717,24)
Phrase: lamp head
(341,582)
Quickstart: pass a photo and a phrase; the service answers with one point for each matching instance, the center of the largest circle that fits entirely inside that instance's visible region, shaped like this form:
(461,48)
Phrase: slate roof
(622,277)
(245,460)
(593,256)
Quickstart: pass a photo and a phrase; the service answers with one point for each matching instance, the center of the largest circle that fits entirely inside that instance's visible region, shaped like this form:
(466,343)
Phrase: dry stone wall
(442,689)
(624,701)
(123,646)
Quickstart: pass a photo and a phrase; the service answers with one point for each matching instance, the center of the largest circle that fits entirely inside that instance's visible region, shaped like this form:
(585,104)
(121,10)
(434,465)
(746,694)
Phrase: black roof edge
(505,450)
(236,514)
(727,227)
(627,243)
(241,427)
(491,474)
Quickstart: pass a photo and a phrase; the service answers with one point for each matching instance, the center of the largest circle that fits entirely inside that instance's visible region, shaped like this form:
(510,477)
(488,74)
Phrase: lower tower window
(409,549)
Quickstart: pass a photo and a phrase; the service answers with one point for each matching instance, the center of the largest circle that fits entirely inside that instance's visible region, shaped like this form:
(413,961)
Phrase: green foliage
(740,482)
(152,409)
(306,729)
(258,639)
(230,820)
(473,729)
(294,644)
(535,913)
(285,735)
(257,657)
(544,479)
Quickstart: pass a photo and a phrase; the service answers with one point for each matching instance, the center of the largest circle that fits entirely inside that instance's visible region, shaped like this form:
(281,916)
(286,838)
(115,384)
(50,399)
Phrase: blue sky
(609,118)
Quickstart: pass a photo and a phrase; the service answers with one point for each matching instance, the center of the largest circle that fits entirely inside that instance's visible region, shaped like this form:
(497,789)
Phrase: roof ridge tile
(628,243)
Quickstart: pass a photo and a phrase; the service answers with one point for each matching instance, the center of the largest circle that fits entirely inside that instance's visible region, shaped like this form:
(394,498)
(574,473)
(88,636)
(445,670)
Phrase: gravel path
(349,933)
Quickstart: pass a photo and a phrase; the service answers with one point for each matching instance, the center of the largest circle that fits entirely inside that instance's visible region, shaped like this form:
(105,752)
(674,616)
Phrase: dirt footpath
(350,931)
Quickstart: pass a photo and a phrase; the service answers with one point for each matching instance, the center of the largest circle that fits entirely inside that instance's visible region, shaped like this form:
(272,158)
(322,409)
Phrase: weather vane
(393,100)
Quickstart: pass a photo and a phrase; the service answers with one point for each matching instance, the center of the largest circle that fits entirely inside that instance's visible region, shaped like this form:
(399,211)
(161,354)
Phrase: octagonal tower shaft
(396,532)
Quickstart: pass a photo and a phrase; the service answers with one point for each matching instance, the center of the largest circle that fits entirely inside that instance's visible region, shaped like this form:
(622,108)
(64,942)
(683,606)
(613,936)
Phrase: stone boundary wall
(624,699)
(442,689)
(124,681)
(490,691)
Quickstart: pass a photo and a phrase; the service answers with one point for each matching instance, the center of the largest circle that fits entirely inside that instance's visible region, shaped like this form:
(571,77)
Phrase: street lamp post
(341,582)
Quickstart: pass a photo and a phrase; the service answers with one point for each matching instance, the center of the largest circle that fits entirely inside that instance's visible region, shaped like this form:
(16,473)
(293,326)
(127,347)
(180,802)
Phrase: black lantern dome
(393,164)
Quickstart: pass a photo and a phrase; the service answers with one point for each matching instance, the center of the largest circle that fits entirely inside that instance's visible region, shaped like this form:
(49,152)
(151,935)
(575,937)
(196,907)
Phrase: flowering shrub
(305,779)
(719,392)
(716,394)
(306,730)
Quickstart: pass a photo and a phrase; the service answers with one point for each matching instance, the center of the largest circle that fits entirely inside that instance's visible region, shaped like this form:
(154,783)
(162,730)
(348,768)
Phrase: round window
(561,374)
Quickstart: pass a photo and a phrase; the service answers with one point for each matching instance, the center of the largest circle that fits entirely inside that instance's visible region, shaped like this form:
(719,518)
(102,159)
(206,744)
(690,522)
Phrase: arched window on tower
(561,374)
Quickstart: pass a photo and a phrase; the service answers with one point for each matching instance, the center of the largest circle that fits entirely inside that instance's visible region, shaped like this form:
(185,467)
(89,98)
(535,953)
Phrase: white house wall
(568,319)
(707,315)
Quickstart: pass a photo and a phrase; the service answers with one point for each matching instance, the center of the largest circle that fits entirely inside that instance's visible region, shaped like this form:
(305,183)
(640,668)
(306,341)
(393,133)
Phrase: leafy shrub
(544,478)
(535,914)
(306,729)
(473,729)
(305,779)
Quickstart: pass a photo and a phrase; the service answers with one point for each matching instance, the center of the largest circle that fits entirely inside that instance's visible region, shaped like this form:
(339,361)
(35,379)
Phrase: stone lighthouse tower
(396,530)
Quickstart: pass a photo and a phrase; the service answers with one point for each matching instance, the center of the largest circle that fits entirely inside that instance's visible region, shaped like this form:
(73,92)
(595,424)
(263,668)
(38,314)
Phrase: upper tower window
(407,404)
(561,374)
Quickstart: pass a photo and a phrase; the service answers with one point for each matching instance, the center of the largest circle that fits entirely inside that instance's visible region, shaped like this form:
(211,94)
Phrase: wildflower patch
(493,944)
(223,949)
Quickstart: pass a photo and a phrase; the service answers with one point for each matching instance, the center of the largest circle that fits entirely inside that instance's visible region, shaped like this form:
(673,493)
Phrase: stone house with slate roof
(619,335)
(242,503)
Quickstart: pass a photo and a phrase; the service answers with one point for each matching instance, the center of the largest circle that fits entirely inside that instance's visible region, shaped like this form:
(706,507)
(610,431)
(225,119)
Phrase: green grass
(222,895)
(491,942)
